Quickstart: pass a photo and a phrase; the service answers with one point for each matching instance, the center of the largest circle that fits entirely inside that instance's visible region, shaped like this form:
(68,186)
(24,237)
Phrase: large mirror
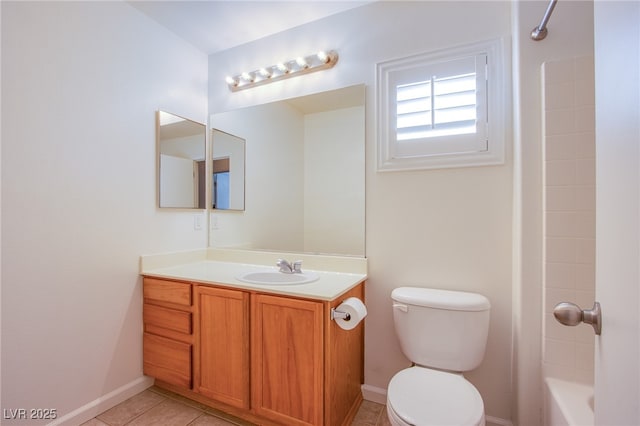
(227,159)
(181,145)
(304,176)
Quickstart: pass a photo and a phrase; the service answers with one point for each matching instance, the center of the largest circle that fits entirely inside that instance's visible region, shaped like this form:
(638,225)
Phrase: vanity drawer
(157,319)
(173,292)
(167,360)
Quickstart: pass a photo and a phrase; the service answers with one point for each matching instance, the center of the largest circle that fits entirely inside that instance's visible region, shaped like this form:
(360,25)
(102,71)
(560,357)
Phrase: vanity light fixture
(302,65)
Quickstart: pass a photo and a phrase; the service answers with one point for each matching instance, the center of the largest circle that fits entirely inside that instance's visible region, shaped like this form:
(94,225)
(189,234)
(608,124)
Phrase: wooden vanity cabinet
(168,337)
(266,358)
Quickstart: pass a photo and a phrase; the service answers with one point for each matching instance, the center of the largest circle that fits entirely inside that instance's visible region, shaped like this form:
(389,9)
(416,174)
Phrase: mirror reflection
(181,162)
(228,171)
(305,175)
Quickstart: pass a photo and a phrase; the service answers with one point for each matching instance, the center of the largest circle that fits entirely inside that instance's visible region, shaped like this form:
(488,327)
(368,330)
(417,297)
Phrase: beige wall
(81,82)
(438,228)
(273,180)
(333,181)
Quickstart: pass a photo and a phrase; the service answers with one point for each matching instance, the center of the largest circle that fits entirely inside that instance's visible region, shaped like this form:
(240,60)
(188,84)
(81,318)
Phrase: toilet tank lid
(441,299)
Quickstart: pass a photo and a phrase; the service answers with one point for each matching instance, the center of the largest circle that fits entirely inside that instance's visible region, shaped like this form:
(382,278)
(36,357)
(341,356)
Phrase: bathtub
(568,403)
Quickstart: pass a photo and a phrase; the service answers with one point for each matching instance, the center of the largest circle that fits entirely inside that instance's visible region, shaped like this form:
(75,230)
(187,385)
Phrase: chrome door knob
(571,314)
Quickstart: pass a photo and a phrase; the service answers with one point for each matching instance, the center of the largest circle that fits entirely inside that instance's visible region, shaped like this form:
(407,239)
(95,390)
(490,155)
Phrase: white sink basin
(277,278)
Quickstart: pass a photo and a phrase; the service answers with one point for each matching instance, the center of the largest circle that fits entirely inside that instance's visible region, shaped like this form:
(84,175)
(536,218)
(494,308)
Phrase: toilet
(444,333)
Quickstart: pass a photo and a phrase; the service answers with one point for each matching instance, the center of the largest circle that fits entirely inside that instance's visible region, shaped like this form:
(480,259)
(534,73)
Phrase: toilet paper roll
(356,310)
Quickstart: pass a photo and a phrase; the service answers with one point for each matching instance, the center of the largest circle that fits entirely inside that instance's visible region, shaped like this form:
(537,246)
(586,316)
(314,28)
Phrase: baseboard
(374,394)
(103,403)
(490,420)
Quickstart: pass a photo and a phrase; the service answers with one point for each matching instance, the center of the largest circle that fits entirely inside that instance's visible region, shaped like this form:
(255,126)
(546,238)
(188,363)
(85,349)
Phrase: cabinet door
(222,345)
(287,360)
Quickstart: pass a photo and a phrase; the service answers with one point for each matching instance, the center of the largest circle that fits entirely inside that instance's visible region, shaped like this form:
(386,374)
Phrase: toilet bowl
(424,397)
(443,333)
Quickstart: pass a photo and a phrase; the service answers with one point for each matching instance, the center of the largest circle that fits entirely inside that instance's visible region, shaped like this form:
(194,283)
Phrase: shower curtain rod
(540,32)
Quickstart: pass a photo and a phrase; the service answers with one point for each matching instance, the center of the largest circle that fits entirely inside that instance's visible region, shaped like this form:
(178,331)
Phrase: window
(434,109)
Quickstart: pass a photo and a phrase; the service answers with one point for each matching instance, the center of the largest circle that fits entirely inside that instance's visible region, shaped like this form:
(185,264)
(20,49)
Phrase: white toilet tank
(441,329)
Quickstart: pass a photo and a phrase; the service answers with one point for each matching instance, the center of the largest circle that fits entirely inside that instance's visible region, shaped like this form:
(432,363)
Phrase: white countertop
(215,266)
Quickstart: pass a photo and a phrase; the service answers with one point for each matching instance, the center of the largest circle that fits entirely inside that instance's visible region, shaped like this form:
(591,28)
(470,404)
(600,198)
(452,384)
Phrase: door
(617,353)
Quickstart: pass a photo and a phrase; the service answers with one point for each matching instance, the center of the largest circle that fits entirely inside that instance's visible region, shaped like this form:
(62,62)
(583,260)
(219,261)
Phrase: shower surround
(569,215)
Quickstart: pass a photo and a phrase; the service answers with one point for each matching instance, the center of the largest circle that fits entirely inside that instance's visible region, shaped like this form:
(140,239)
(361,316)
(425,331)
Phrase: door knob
(570,314)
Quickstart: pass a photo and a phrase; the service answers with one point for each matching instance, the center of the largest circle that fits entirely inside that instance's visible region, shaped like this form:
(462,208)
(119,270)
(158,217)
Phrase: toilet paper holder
(339,314)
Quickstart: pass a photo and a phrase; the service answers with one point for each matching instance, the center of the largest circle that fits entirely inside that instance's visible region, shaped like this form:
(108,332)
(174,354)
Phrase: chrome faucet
(288,268)
(284,266)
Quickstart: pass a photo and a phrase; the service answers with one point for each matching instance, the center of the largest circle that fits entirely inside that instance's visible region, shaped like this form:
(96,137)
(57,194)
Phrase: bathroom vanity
(270,354)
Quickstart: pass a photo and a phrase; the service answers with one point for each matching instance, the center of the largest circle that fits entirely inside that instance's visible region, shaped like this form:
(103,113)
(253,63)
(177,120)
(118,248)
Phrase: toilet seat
(424,397)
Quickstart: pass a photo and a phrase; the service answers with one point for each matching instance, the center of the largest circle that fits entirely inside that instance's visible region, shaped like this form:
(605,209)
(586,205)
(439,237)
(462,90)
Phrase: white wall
(333,180)
(178,181)
(290,154)
(570,34)
(440,228)
(81,82)
(274,208)
(186,147)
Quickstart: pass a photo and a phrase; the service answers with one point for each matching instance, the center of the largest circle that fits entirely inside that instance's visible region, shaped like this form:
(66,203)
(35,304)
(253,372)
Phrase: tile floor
(155,406)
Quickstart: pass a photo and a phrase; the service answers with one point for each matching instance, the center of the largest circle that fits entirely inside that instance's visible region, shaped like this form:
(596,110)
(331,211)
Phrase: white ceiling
(217,25)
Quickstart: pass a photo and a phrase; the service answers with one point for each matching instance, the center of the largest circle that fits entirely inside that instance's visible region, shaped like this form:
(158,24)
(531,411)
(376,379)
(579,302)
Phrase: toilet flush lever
(403,308)
(570,314)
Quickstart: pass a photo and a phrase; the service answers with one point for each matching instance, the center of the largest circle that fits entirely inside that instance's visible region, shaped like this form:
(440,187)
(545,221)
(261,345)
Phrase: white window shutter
(433,109)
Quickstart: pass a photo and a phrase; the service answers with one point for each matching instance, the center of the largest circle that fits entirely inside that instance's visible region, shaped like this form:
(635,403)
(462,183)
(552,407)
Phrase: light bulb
(323,57)
(282,67)
(231,81)
(302,63)
(265,73)
(247,77)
